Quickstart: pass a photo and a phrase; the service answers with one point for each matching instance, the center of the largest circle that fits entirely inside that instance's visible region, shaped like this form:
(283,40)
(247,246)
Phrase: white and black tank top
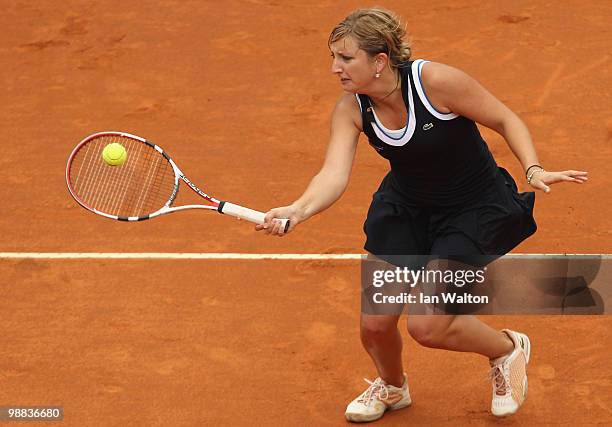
(437,159)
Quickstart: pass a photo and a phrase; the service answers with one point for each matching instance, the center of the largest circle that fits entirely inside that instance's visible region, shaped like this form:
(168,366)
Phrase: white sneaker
(378,398)
(509,376)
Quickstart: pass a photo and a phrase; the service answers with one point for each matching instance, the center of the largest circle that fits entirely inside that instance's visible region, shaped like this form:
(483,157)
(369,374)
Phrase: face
(353,66)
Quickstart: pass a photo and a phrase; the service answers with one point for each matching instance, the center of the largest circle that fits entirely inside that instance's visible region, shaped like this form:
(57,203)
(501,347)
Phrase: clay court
(239,93)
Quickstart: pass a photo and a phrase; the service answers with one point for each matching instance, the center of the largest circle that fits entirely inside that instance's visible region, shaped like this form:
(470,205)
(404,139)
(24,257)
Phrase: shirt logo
(427,126)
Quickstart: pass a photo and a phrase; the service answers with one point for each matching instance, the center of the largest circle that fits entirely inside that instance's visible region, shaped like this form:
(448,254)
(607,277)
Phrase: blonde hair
(376,31)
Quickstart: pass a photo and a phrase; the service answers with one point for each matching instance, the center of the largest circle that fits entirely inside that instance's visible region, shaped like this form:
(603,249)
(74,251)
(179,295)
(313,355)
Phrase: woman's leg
(459,333)
(382,340)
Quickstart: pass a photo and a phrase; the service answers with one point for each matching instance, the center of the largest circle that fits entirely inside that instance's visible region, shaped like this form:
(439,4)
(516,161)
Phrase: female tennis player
(444,193)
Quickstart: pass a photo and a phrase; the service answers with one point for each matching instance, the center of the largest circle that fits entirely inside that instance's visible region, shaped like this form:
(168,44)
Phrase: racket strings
(139,187)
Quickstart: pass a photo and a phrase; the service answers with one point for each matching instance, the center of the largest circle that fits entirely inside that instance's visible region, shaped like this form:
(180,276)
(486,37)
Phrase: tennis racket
(143,187)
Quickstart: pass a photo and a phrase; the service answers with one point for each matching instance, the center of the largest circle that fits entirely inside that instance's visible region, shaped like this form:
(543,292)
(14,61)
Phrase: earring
(377,75)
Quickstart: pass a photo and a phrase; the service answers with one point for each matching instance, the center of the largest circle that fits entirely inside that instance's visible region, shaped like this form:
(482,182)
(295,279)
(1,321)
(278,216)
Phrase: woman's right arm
(328,185)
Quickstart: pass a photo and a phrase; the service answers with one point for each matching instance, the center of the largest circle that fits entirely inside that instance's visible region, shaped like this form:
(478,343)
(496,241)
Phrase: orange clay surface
(239,93)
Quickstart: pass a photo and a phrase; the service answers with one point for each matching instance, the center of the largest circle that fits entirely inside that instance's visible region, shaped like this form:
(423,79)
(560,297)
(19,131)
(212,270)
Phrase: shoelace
(501,379)
(376,389)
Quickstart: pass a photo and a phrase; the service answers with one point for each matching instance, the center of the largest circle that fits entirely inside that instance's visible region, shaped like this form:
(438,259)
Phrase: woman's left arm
(452,90)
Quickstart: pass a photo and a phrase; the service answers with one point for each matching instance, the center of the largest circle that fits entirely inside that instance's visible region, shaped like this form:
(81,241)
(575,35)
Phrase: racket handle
(248,214)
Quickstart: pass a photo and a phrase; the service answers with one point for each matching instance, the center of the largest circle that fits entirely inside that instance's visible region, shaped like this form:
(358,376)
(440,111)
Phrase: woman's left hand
(541,180)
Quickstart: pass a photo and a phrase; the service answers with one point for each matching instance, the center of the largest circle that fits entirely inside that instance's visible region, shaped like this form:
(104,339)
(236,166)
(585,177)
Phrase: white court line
(176,255)
(236,256)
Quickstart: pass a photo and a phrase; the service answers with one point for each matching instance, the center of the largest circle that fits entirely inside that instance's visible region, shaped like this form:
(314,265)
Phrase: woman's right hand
(273,227)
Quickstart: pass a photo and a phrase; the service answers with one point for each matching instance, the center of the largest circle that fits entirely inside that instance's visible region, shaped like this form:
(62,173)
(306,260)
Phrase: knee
(422,332)
(373,330)
(428,332)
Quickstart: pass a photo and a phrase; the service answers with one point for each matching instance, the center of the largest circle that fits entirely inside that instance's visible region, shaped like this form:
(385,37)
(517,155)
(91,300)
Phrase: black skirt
(493,224)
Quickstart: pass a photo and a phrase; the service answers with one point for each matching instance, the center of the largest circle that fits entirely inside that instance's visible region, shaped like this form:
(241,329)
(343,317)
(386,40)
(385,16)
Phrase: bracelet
(532,173)
(532,166)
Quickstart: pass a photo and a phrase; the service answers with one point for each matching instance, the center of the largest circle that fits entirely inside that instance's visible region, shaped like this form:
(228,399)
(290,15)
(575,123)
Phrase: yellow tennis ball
(114,154)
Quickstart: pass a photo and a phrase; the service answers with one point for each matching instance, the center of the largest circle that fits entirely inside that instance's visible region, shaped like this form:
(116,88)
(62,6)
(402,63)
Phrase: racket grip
(248,214)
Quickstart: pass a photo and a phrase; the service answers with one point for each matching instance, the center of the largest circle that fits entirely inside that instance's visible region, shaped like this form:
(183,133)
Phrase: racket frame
(222,207)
